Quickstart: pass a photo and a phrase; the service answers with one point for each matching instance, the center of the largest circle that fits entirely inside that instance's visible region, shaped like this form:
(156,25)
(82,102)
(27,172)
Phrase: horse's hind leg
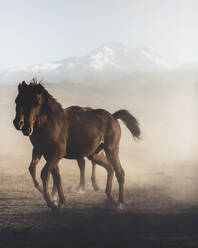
(112,155)
(81,164)
(102,161)
(36,156)
(93,176)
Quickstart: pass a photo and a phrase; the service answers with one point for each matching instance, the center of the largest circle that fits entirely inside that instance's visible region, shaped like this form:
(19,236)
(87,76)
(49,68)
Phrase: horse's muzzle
(18,124)
(27,131)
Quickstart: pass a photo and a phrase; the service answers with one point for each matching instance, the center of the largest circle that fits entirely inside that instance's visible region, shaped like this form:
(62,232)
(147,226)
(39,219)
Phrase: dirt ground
(152,217)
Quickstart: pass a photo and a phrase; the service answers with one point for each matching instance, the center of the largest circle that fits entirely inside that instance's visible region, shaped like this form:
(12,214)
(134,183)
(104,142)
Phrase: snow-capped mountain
(112,58)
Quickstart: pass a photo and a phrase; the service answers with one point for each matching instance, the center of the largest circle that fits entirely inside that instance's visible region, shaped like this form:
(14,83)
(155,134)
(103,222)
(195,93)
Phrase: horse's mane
(51,105)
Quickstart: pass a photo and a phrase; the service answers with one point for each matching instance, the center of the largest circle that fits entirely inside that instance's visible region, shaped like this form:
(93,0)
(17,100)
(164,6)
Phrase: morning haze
(136,55)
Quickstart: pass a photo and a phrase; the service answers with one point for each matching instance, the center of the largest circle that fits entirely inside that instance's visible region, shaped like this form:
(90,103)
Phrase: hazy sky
(37,31)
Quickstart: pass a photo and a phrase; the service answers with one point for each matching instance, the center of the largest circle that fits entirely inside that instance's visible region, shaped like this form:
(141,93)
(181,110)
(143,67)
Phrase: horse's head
(19,117)
(28,106)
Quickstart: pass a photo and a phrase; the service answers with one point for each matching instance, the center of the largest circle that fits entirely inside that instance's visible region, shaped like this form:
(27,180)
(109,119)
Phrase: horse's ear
(21,86)
(24,84)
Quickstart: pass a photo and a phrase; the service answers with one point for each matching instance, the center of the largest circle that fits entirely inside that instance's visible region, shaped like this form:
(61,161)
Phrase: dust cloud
(160,167)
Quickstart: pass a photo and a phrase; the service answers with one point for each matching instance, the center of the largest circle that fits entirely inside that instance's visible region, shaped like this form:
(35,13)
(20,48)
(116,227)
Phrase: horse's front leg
(36,156)
(58,185)
(45,173)
(54,190)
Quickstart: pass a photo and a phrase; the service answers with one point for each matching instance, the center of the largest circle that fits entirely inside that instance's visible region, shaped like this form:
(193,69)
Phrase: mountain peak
(112,58)
(117,46)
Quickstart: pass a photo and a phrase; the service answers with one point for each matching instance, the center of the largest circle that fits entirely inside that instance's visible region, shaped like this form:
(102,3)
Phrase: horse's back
(84,116)
(76,108)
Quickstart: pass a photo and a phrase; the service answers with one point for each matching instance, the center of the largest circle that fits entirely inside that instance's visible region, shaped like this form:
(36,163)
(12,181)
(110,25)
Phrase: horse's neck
(53,111)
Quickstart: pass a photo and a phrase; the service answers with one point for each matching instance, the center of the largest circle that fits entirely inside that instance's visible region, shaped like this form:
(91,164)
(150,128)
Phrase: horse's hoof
(52,205)
(55,203)
(120,206)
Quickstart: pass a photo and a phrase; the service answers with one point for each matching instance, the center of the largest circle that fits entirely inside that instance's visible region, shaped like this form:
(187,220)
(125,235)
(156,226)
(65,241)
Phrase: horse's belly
(82,148)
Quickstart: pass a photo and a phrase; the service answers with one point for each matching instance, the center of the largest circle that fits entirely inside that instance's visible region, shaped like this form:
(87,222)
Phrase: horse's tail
(130,121)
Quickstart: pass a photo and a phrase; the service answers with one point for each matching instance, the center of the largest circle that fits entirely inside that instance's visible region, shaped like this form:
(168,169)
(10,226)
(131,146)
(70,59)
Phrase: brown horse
(72,133)
(19,122)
